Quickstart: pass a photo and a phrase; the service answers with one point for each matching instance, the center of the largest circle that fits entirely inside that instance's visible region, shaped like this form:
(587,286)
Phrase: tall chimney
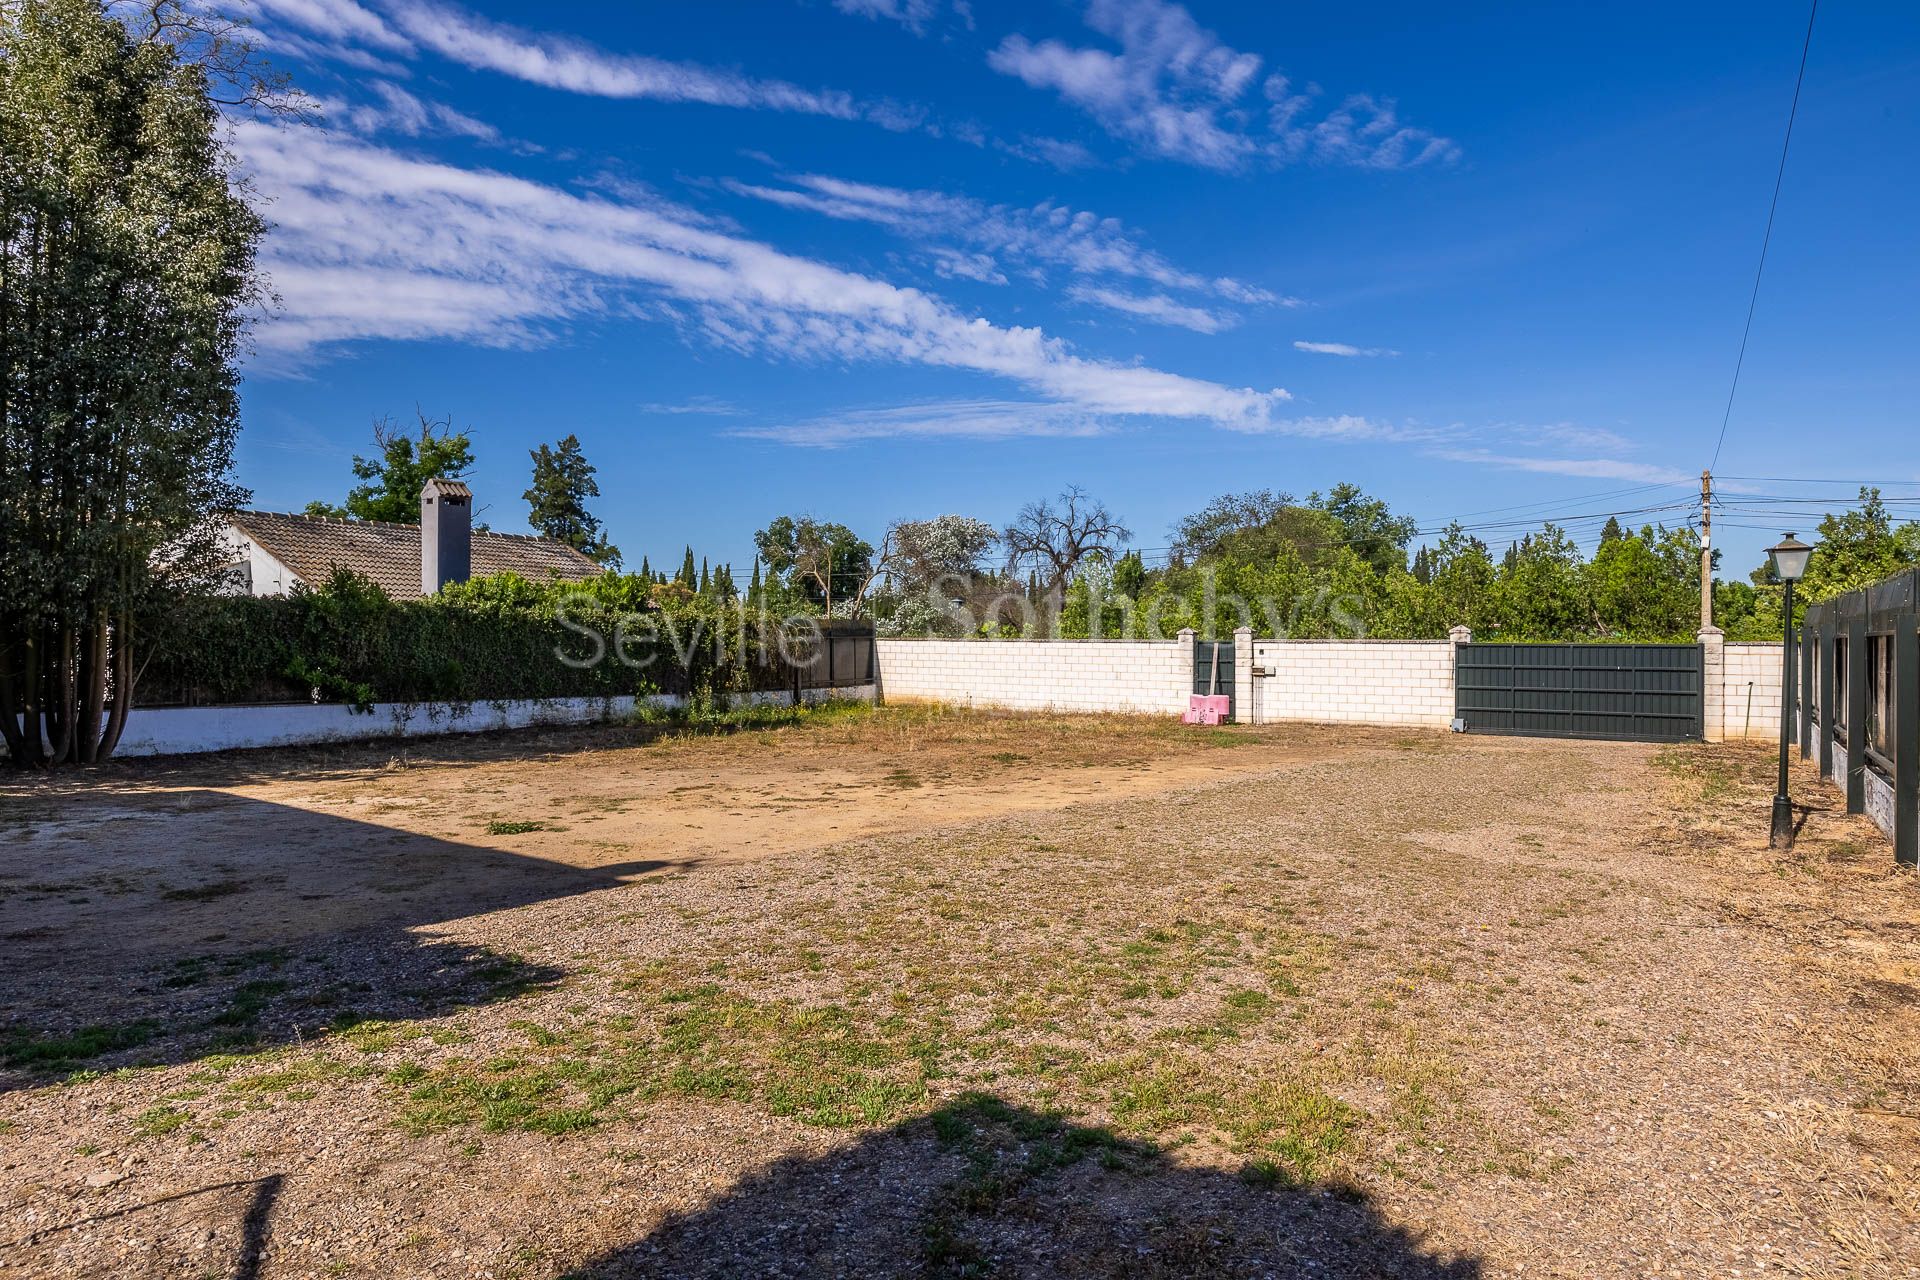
(446,534)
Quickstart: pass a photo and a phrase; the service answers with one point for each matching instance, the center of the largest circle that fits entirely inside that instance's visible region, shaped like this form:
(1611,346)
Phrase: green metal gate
(1204,652)
(1632,692)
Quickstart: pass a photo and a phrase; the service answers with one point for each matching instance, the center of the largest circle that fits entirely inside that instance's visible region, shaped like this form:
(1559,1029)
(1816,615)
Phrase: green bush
(492,639)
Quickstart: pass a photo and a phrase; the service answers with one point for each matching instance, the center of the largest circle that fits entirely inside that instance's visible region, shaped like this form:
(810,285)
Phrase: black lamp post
(1789,560)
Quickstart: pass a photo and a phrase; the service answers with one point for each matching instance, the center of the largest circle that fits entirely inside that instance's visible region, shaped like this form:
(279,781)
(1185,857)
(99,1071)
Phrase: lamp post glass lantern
(1789,560)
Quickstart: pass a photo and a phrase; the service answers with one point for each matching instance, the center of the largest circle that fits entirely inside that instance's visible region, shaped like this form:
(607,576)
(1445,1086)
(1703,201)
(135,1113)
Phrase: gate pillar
(1713,684)
(1246,691)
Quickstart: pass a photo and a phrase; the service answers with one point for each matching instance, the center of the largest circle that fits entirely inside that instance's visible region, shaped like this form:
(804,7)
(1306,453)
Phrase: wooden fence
(1856,673)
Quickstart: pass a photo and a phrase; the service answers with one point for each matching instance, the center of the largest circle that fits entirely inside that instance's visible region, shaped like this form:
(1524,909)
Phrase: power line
(1871,484)
(1767,239)
(1553,502)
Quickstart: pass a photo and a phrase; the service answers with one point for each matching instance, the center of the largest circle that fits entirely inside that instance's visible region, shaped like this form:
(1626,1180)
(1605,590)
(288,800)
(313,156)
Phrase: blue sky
(874,259)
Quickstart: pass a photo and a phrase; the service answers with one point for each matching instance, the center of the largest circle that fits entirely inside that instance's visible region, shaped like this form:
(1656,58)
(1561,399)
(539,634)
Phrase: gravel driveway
(906,993)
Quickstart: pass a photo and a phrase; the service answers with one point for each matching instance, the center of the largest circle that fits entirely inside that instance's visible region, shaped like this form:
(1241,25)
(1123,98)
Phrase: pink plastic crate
(1206,708)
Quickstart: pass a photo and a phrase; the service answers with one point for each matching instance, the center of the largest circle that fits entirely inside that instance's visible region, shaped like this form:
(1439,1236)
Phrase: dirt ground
(923,993)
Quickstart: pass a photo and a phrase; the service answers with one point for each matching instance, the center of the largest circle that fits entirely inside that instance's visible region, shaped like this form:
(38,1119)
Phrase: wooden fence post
(1856,782)
(1906,743)
(1826,700)
(1808,643)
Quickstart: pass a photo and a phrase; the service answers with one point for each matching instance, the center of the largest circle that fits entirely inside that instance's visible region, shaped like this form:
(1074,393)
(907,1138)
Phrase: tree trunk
(62,707)
(10,703)
(34,742)
(123,682)
(94,693)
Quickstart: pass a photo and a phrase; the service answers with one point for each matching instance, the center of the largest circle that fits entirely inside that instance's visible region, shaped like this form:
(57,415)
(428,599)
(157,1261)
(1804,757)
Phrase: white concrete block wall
(1366,682)
(1385,682)
(1391,682)
(1750,691)
(1135,676)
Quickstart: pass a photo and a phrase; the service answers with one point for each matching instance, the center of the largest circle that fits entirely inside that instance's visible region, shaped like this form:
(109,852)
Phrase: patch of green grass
(62,1052)
(157,1121)
(1006,1151)
(515,827)
(370,1035)
(563,1096)
(1297,1131)
(821,1064)
(247,1002)
(297,1079)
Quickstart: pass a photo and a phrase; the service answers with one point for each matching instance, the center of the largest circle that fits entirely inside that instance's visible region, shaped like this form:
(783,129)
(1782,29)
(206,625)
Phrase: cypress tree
(689,576)
(646,570)
(706,579)
(562,483)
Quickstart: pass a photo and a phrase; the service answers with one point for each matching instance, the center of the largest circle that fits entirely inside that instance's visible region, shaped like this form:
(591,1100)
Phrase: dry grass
(1462,983)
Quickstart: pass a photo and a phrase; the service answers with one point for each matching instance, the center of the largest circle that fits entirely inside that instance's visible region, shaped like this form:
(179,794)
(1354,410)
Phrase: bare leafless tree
(223,45)
(1052,536)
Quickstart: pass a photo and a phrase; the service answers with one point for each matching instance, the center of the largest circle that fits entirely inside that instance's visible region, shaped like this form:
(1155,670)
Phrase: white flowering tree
(925,566)
(126,276)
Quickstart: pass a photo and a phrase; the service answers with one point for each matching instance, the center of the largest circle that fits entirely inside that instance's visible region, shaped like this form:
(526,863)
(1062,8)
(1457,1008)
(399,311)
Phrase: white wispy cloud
(1586,468)
(1174,89)
(560,62)
(1342,349)
(1063,154)
(705,406)
(992,236)
(341,20)
(403,28)
(1345,426)
(371,243)
(1568,436)
(961,419)
(1157,307)
(1366,132)
(914,15)
(398,111)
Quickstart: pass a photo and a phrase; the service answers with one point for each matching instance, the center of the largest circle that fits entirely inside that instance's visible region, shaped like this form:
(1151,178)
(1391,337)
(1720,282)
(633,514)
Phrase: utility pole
(1706,550)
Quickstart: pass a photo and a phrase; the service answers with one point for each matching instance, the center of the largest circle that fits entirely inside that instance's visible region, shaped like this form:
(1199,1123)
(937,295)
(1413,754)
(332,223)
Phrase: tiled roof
(313,546)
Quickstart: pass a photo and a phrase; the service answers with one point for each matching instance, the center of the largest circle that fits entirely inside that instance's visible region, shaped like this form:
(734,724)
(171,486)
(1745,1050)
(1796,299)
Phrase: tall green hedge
(489,640)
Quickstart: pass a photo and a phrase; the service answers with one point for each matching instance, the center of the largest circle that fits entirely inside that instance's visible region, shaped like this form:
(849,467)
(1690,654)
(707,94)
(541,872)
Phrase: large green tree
(126,276)
(391,480)
(1645,585)
(1368,525)
(1858,548)
(820,560)
(557,498)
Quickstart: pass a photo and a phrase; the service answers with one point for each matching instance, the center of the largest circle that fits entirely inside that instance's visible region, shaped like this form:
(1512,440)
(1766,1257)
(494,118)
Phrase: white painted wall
(1138,676)
(1390,682)
(265,575)
(157,731)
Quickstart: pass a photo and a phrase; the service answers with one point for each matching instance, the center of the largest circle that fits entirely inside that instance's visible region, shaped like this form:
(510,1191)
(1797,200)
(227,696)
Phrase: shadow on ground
(982,1188)
(190,922)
